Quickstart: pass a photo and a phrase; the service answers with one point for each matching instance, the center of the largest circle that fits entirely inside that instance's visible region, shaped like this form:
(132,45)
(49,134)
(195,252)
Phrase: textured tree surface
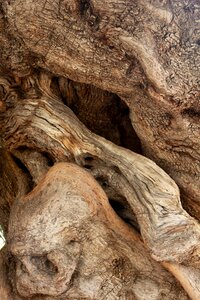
(99,145)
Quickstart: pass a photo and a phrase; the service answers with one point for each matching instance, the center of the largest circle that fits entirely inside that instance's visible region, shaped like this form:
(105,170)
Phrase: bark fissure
(129,71)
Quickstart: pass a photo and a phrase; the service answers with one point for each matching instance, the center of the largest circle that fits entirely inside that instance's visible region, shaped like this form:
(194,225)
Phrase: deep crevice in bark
(102,112)
(125,212)
(25,171)
(99,169)
(49,159)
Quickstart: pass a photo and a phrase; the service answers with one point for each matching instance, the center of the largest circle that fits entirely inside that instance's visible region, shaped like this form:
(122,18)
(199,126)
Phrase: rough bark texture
(84,250)
(129,70)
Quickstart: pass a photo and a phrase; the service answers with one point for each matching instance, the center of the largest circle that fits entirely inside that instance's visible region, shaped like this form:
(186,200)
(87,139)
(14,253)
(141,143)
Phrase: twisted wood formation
(147,53)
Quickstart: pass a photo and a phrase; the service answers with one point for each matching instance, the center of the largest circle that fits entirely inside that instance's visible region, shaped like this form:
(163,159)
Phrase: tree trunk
(99,118)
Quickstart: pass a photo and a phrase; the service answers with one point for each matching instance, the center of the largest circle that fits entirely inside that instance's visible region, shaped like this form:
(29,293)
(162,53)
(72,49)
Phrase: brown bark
(84,250)
(104,60)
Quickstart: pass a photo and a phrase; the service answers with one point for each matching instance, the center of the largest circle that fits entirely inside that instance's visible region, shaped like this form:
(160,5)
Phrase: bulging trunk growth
(99,118)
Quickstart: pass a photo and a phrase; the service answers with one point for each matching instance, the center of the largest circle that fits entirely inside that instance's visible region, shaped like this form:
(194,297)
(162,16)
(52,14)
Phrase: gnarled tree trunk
(99,118)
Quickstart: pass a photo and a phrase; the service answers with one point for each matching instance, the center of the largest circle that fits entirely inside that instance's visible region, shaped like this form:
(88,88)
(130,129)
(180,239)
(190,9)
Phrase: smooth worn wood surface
(131,68)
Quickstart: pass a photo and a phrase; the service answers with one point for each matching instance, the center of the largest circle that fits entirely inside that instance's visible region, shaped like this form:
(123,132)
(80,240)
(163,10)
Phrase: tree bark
(111,87)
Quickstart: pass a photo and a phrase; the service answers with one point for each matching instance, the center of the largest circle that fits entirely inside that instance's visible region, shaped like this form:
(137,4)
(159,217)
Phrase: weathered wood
(147,52)
(5,288)
(152,194)
(69,243)
(168,231)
